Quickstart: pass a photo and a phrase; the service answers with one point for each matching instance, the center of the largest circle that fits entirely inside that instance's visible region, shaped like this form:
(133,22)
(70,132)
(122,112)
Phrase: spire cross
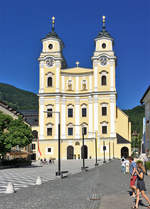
(77,63)
(104,20)
(53,23)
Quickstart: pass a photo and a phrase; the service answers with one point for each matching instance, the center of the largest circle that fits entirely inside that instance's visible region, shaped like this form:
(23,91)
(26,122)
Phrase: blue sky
(24,23)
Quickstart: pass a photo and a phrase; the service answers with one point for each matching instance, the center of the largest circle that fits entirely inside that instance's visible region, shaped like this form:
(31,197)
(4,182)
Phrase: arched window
(49,82)
(103,80)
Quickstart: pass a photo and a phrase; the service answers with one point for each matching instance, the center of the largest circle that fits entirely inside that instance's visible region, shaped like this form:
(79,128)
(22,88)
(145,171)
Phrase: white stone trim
(41,118)
(57,76)
(96,78)
(63,83)
(57,116)
(90,82)
(63,118)
(83,105)
(104,104)
(112,116)
(77,118)
(49,106)
(41,65)
(111,75)
(49,153)
(77,84)
(90,116)
(96,114)
(103,72)
(49,125)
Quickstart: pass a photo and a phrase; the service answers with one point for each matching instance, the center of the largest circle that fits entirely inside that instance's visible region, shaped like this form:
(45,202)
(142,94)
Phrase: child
(123,166)
(140,184)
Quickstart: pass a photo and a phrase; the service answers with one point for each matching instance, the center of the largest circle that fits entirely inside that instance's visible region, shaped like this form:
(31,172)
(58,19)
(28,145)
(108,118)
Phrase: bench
(85,168)
(62,174)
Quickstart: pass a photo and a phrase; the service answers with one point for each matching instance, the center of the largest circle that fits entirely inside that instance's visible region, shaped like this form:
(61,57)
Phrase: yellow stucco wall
(60,97)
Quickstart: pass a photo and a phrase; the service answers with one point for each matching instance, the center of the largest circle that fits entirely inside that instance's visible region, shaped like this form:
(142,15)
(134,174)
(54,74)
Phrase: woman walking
(140,184)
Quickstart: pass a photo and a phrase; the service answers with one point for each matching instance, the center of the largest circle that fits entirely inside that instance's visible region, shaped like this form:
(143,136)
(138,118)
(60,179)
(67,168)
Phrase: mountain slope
(18,98)
(136,115)
(25,100)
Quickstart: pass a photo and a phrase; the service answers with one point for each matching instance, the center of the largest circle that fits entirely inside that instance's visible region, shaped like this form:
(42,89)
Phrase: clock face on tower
(103,60)
(49,61)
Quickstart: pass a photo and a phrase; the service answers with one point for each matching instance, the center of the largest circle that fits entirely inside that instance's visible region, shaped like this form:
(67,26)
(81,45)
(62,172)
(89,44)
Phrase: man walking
(133,175)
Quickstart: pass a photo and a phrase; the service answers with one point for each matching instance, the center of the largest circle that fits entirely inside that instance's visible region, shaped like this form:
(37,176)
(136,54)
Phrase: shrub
(15,162)
(148,165)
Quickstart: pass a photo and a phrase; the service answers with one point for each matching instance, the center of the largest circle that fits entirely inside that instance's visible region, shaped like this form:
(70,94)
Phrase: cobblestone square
(103,187)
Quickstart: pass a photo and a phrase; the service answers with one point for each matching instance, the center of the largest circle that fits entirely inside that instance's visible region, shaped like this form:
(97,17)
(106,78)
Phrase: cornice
(62,94)
(104,54)
(76,74)
(78,139)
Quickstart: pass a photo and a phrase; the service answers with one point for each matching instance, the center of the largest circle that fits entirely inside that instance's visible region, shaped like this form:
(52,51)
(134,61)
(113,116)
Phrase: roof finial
(53,23)
(103,18)
(77,63)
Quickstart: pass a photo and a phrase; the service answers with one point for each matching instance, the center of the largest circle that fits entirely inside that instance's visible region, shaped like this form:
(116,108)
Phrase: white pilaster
(63,83)
(41,118)
(90,116)
(57,76)
(90,82)
(112,116)
(95,76)
(77,118)
(63,118)
(77,84)
(57,116)
(112,87)
(96,115)
(41,65)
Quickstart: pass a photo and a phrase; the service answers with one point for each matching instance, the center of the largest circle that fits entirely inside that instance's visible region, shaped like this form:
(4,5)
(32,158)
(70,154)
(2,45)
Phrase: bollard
(38,181)
(10,188)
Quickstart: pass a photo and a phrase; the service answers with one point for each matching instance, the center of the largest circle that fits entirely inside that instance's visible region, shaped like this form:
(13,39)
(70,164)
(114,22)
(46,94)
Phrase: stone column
(63,118)
(41,117)
(95,75)
(58,65)
(96,114)
(112,75)
(77,117)
(57,116)
(112,115)
(41,65)
(90,116)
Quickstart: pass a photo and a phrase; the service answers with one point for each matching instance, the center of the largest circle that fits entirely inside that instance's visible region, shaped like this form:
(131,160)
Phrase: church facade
(83,101)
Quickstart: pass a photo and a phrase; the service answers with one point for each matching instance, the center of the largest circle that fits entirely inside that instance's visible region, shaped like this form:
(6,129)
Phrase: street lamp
(96,164)
(58,173)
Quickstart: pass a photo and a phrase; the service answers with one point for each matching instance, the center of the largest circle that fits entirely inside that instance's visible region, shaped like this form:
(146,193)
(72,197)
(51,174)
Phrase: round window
(50,46)
(103,45)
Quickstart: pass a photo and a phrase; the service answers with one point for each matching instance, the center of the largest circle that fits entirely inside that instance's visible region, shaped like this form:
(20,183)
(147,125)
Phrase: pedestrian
(140,171)
(123,166)
(145,163)
(133,175)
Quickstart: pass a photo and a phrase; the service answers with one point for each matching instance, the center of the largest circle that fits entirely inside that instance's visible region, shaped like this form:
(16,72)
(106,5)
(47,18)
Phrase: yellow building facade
(85,99)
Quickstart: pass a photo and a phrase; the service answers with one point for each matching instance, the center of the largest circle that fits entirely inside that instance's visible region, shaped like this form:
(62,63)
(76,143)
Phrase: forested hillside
(17,98)
(136,117)
(25,100)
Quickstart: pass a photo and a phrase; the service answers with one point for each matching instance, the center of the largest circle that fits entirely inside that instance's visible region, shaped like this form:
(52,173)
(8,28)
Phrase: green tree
(13,132)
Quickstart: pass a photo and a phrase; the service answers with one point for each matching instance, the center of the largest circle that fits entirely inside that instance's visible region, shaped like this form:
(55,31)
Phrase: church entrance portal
(124,152)
(70,152)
